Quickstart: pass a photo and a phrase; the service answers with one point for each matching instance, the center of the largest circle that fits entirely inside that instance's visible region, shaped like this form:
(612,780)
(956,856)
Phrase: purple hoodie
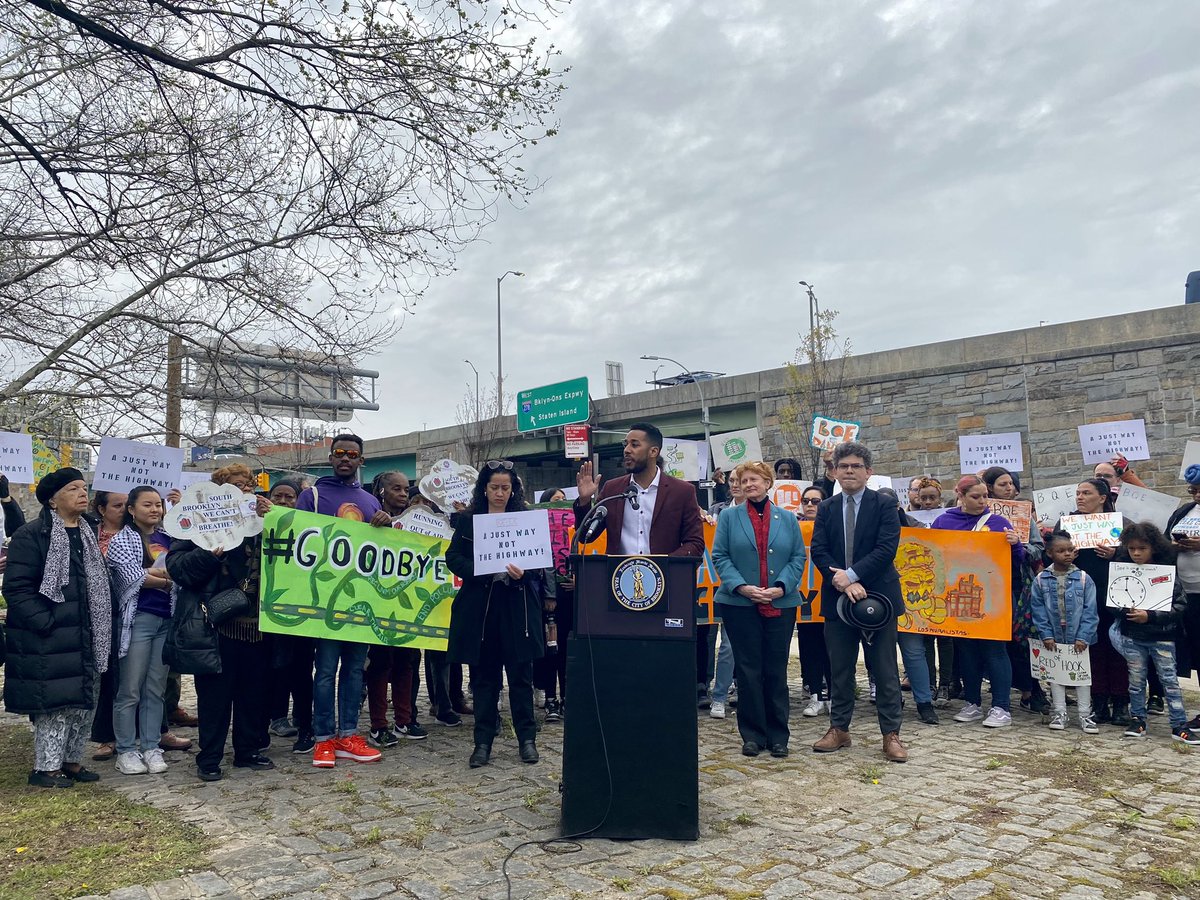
(335,498)
(957,520)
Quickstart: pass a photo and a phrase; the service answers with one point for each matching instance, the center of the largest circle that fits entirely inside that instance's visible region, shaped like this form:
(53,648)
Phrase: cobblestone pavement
(1021,812)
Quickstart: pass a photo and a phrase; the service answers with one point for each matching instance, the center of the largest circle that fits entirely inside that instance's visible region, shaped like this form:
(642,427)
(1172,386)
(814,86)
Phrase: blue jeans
(985,656)
(916,665)
(353,657)
(724,677)
(1138,655)
(142,679)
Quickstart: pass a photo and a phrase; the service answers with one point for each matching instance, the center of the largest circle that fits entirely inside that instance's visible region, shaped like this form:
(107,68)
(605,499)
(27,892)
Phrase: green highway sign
(552,405)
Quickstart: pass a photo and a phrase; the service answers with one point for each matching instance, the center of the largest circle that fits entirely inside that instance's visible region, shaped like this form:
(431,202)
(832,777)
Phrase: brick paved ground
(1021,812)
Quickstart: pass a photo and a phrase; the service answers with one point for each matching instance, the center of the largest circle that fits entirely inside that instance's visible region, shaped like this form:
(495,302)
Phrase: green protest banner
(335,578)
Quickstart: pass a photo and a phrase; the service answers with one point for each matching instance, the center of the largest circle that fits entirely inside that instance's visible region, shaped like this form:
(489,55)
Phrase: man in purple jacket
(341,495)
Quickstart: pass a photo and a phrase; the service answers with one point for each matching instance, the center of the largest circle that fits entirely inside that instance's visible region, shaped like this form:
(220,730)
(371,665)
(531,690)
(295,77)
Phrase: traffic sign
(575,441)
(552,405)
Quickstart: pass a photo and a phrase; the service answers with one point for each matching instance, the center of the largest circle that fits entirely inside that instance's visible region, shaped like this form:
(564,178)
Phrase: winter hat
(57,480)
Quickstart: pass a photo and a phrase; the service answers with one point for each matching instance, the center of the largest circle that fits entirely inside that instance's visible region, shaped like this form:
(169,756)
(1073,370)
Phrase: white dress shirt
(635,527)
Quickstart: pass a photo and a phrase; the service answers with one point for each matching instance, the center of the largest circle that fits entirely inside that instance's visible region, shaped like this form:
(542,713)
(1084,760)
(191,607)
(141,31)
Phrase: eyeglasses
(342,453)
(810,500)
(495,464)
(850,467)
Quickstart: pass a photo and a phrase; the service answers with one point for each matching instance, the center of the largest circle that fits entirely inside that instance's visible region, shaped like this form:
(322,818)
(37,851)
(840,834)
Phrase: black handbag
(228,604)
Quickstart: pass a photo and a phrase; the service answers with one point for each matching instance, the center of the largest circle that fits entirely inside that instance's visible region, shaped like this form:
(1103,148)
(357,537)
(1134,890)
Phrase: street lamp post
(500,346)
(703,410)
(814,310)
(478,408)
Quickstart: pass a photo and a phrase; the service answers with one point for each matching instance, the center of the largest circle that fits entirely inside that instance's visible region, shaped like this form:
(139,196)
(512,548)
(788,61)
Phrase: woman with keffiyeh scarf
(56,586)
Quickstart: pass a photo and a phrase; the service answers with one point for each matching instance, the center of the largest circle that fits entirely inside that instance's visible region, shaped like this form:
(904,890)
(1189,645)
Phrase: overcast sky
(935,169)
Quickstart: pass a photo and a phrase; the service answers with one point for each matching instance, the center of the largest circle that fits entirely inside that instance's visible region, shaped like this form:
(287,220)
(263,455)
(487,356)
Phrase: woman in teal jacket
(759,556)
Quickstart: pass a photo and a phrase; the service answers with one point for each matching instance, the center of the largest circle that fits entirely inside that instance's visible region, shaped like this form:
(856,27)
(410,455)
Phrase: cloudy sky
(935,169)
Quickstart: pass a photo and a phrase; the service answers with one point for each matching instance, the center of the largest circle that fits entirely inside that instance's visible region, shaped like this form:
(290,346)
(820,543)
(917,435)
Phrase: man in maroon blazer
(665,518)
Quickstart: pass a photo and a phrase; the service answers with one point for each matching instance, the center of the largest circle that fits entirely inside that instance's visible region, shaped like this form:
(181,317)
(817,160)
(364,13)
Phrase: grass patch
(1076,769)
(85,840)
(993,764)
(743,819)
(622,884)
(533,798)
(1181,748)
(1179,878)
(1183,823)
(374,836)
(421,829)
(870,774)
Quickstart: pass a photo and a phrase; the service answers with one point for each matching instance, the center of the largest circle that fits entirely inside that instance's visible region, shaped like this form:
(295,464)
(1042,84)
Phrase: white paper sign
(734,448)
(1104,440)
(1051,504)
(521,539)
(1140,504)
(187,479)
(1191,456)
(786,493)
(687,460)
(1062,665)
(827,433)
(1189,525)
(423,520)
(980,451)
(926,516)
(215,517)
(16,457)
(448,483)
(1093,530)
(123,465)
(874,482)
(900,483)
(1140,587)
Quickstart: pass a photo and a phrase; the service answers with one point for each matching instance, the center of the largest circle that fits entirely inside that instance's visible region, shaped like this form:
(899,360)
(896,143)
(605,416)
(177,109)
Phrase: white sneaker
(815,707)
(969,713)
(717,710)
(154,762)
(131,763)
(1088,725)
(997,718)
(1058,721)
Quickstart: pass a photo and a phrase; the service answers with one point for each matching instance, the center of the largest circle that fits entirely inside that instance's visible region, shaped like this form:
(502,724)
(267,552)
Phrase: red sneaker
(355,748)
(323,755)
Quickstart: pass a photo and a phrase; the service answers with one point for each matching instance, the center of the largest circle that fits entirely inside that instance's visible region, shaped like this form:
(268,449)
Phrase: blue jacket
(735,555)
(1083,619)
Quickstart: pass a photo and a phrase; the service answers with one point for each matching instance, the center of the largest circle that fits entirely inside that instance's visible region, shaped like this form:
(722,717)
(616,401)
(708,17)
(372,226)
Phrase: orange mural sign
(954,583)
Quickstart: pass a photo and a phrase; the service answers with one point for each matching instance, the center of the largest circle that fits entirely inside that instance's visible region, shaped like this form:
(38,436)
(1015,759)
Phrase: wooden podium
(630,746)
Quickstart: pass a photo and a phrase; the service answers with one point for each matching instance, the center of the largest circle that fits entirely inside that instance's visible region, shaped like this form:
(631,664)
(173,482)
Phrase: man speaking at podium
(657,515)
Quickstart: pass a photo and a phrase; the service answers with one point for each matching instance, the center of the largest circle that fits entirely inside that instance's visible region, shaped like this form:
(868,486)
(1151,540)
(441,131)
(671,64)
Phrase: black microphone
(593,526)
(631,494)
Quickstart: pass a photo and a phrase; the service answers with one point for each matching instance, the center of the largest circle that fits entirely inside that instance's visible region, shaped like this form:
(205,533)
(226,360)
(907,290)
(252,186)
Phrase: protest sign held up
(334,578)
(213,517)
(16,457)
(123,465)
(1093,529)
(1140,587)
(1104,440)
(979,451)
(1018,512)
(827,433)
(1062,665)
(521,539)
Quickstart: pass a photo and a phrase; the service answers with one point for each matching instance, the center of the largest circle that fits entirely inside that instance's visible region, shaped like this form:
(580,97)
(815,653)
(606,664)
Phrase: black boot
(1120,713)
(1100,711)
(481,756)
(529,753)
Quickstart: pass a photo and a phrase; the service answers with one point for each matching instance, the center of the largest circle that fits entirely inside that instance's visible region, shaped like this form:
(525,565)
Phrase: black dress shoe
(46,780)
(751,749)
(529,752)
(209,774)
(928,714)
(779,750)
(257,761)
(481,756)
(82,775)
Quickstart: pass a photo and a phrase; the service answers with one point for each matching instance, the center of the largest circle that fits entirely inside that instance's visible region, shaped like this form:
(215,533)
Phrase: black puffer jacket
(192,644)
(49,645)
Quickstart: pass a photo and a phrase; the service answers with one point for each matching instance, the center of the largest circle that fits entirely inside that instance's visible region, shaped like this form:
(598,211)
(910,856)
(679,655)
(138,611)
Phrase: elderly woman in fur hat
(59,628)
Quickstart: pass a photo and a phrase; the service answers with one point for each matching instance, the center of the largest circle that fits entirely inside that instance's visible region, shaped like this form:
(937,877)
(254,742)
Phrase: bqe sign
(552,405)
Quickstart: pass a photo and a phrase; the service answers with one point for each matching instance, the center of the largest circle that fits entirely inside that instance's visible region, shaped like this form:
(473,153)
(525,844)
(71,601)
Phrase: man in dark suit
(854,546)
(666,518)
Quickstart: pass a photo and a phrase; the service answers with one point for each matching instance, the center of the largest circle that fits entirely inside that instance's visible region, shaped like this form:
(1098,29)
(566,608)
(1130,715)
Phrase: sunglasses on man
(342,453)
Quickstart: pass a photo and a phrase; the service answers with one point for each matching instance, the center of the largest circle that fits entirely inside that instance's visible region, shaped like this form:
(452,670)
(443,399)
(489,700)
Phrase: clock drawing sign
(1140,587)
